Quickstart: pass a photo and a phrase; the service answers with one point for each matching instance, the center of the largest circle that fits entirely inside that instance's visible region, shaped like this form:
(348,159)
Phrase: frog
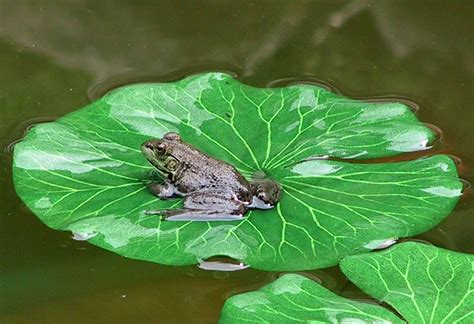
(212,189)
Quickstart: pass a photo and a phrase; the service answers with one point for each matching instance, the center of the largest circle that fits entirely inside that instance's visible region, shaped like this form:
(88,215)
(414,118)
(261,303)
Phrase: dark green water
(57,56)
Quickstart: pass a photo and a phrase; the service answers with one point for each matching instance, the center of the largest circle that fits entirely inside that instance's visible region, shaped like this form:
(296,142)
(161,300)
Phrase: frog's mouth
(150,155)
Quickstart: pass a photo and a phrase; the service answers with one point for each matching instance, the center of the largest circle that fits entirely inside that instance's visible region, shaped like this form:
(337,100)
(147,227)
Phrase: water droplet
(380,244)
(222,266)
(83,236)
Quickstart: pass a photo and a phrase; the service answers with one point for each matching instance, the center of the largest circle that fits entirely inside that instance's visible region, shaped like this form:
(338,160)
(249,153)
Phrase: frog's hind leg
(204,206)
(186,214)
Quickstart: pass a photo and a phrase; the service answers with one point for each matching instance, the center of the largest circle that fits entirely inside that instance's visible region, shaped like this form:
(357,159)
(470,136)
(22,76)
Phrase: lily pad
(425,284)
(295,299)
(84,172)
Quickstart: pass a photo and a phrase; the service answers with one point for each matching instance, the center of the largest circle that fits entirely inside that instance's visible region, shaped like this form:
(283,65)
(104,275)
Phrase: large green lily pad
(295,299)
(85,172)
(425,284)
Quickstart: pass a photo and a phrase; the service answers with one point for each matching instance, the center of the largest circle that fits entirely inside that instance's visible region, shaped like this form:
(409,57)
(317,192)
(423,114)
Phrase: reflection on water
(62,55)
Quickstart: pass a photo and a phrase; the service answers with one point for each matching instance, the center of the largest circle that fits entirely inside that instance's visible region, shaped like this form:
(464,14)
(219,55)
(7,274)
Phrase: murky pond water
(56,57)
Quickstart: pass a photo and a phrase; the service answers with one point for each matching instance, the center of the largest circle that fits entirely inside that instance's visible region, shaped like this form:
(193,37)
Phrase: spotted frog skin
(212,189)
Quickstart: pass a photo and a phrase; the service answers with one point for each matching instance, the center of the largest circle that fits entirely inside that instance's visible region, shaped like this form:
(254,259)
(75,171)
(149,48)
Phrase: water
(56,57)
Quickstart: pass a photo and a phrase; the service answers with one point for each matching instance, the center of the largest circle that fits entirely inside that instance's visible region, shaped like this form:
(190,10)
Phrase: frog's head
(159,152)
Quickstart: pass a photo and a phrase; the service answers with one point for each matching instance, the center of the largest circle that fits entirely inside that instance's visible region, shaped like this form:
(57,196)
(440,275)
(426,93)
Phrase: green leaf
(293,299)
(85,172)
(425,284)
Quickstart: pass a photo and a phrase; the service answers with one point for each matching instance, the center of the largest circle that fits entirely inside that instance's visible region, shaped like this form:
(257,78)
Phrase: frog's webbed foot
(162,190)
(266,193)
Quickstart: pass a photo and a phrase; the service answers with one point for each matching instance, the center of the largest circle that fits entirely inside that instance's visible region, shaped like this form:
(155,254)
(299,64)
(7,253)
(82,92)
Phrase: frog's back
(202,172)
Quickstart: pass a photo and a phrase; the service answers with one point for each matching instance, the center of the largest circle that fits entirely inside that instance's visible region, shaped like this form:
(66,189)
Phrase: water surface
(57,56)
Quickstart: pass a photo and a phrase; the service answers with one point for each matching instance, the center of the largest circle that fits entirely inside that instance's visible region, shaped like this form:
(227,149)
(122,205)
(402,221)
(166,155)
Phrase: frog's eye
(172,136)
(172,164)
(161,148)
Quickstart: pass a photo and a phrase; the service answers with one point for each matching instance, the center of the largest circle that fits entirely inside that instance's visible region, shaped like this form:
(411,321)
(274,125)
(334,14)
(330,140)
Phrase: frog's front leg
(162,190)
(204,206)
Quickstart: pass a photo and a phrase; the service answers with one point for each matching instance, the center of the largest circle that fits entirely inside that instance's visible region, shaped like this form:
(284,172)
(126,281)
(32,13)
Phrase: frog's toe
(153,212)
(259,203)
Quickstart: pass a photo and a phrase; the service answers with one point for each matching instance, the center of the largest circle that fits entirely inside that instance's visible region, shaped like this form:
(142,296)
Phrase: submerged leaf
(425,284)
(85,172)
(294,299)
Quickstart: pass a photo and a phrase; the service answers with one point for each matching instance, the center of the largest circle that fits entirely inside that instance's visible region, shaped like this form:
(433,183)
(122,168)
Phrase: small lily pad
(84,172)
(294,299)
(425,284)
